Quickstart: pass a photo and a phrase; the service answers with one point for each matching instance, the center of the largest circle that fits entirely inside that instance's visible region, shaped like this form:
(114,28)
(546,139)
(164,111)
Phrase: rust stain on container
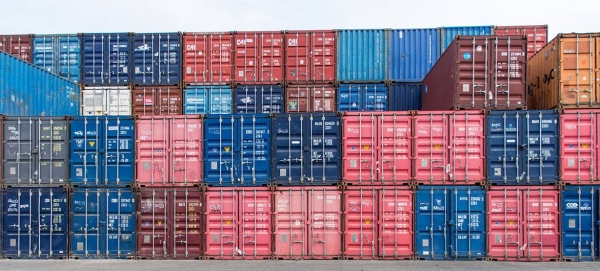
(157,100)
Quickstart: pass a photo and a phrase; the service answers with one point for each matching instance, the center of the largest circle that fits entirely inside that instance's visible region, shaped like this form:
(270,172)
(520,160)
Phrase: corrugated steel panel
(156,59)
(362,55)
(404,96)
(310,98)
(450,223)
(2,225)
(537,35)
(102,223)
(579,146)
(30,91)
(579,205)
(362,97)
(259,57)
(106,59)
(58,54)
(310,56)
(106,101)
(207,100)
(17,45)
(412,53)
(157,100)
(102,151)
(258,99)
(208,58)
(449,33)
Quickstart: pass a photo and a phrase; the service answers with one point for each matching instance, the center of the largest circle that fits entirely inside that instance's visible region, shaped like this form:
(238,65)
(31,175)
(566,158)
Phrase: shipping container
(362,55)
(106,59)
(523,223)
(237,150)
(412,53)
(308,223)
(168,150)
(310,98)
(404,96)
(102,151)
(378,223)
(156,59)
(207,99)
(156,100)
(564,73)
(478,72)
(579,210)
(578,146)
(449,147)
(17,45)
(36,151)
(208,58)
(58,54)
(448,34)
(377,148)
(362,97)
(2,225)
(36,223)
(306,149)
(310,56)
(238,223)
(106,101)
(450,223)
(522,147)
(102,223)
(170,223)
(537,35)
(30,91)
(258,99)
(258,57)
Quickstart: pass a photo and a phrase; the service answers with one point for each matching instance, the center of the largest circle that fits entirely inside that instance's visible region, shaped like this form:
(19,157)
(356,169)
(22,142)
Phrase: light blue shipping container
(362,55)
(207,100)
(362,97)
(404,96)
(59,54)
(412,53)
(449,33)
(27,90)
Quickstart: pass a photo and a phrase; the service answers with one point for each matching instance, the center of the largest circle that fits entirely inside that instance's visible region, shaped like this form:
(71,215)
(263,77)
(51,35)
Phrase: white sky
(77,16)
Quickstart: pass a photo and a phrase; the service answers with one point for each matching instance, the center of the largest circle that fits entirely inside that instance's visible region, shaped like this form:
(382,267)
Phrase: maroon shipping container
(523,223)
(207,58)
(308,223)
(478,72)
(579,147)
(378,223)
(537,35)
(170,223)
(238,223)
(168,150)
(258,57)
(310,56)
(310,98)
(17,45)
(157,100)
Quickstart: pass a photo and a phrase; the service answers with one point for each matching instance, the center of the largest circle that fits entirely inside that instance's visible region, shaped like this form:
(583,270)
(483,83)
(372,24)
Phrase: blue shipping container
(207,100)
(102,151)
(58,54)
(35,223)
(404,96)
(258,99)
(102,223)
(413,52)
(27,90)
(307,149)
(362,55)
(157,59)
(450,223)
(580,224)
(237,150)
(106,59)
(362,97)
(522,147)
(449,33)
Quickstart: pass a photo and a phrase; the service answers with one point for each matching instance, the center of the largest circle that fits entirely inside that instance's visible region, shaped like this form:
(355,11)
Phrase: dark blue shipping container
(258,99)
(362,97)
(307,149)
(102,151)
(157,59)
(237,150)
(35,223)
(404,96)
(580,223)
(522,147)
(106,59)
(450,223)
(412,53)
(102,223)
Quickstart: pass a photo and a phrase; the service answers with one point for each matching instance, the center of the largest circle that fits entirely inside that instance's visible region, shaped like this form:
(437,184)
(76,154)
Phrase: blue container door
(86,224)
(157,59)
(207,100)
(323,160)
(289,146)
(58,54)
(254,166)
(503,141)
(540,153)
(362,97)
(258,99)
(219,144)
(120,210)
(106,59)
(431,223)
(580,224)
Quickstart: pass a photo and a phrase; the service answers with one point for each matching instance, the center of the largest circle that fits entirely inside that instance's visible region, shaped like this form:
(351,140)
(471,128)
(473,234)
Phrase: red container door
(152,158)
(17,45)
(537,35)
(395,148)
(324,224)
(186,148)
(259,57)
(467,147)
(153,208)
(207,58)
(360,223)
(395,221)
(255,223)
(505,229)
(222,224)
(359,141)
(472,89)
(310,98)
(508,62)
(430,137)
(324,98)
(578,147)
(157,101)
(188,225)
(291,231)
(542,223)
(310,56)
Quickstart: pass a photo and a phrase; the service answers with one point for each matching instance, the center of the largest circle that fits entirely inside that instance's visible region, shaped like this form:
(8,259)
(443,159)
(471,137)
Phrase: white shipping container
(106,101)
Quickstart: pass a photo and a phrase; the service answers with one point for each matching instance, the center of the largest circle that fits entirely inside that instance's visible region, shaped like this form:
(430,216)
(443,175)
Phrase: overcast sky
(77,16)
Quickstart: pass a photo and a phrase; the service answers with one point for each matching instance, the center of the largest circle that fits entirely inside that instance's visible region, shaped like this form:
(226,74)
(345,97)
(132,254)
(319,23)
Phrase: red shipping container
(170,223)
(310,56)
(537,35)
(377,148)
(207,58)
(579,146)
(258,57)
(310,98)
(17,45)
(238,223)
(308,223)
(378,222)
(523,223)
(168,150)
(154,100)
(449,147)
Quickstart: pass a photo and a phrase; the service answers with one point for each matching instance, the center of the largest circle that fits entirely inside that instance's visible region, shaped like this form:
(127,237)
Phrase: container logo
(426,89)
(144,47)
(293,105)
(467,55)
(247,100)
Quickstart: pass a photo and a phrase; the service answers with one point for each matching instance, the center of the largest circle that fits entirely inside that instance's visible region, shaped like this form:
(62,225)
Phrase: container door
(298,62)
(508,62)
(117,62)
(222,239)
(52,205)
(53,148)
(255,223)
(473,67)
(86,223)
(152,139)
(467,223)
(394,149)
(541,221)
(119,223)
(360,236)
(539,145)
(505,228)
(208,58)
(432,223)
(289,146)
(322,54)
(395,223)
(254,150)
(325,224)
(430,147)
(577,71)
(578,164)
(187,219)
(467,143)
(322,157)
(86,155)
(596,86)
(375,97)
(323,99)
(118,148)
(298,99)
(360,157)
(220,145)
(153,229)
(350,98)
(117,102)
(185,152)
(579,223)
(291,224)
(19,151)
(503,148)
